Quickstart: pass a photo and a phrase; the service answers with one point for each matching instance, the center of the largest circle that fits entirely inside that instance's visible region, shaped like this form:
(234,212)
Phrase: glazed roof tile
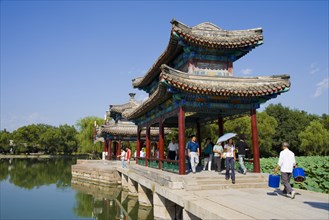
(119,109)
(209,35)
(206,35)
(220,86)
(225,85)
(127,129)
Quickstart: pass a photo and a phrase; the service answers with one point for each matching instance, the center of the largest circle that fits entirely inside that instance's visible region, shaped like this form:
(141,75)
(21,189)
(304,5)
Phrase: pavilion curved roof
(219,86)
(128,129)
(116,111)
(121,108)
(205,35)
(211,36)
(225,85)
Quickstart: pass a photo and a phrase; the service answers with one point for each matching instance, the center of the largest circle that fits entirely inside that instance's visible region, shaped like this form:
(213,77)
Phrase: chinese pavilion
(192,83)
(120,129)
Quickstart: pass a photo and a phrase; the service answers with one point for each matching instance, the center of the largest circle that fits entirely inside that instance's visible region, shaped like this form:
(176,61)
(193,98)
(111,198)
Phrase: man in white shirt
(142,153)
(286,163)
(173,147)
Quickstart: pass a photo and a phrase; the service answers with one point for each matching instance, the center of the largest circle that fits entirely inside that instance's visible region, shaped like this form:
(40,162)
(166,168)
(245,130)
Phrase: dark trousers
(189,163)
(172,155)
(229,163)
(286,182)
(218,162)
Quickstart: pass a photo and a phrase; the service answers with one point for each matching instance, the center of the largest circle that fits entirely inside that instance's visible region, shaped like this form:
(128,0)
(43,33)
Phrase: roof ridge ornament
(206,26)
(132,97)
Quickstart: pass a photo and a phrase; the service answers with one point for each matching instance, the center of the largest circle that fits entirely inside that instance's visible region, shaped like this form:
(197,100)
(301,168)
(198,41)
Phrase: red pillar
(105,145)
(181,141)
(109,150)
(138,145)
(198,134)
(148,144)
(119,150)
(254,134)
(161,143)
(220,126)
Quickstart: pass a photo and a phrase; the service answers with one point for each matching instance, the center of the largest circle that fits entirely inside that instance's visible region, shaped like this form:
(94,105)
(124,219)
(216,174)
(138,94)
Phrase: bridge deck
(208,195)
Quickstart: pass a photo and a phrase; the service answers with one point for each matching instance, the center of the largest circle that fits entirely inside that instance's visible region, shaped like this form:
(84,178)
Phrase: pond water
(42,189)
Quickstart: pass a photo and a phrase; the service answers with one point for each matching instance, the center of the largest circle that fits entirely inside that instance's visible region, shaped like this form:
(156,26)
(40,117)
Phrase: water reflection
(35,172)
(108,202)
(88,200)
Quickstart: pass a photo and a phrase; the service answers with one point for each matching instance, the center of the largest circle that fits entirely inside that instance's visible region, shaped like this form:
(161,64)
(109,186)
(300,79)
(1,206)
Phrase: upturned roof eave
(129,130)
(225,85)
(159,95)
(258,87)
(173,48)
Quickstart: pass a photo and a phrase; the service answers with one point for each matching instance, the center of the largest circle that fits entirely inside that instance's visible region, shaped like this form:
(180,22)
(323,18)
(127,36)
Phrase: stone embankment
(204,195)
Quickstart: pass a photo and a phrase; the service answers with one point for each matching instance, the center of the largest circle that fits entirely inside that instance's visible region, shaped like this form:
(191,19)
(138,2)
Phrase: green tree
(27,138)
(68,140)
(51,140)
(325,121)
(314,139)
(290,124)
(239,126)
(5,138)
(266,126)
(85,135)
(209,130)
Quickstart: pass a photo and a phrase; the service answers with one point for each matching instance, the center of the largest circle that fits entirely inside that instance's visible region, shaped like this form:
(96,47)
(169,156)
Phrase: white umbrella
(225,137)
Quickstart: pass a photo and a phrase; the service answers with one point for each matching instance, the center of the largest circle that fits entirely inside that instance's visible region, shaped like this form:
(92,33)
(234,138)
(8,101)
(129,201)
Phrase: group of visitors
(286,161)
(226,151)
(222,151)
(125,156)
(218,152)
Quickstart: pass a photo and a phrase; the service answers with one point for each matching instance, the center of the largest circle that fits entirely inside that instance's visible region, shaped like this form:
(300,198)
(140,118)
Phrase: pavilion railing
(141,161)
(165,164)
(170,165)
(153,163)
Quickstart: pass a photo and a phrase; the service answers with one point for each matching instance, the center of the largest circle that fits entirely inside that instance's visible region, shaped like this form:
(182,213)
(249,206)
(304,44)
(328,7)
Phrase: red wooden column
(198,134)
(181,141)
(220,126)
(161,143)
(109,150)
(105,145)
(119,150)
(254,134)
(148,144)
(138,145)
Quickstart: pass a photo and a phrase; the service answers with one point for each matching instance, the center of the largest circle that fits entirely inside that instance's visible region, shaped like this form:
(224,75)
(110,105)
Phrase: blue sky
(64,60)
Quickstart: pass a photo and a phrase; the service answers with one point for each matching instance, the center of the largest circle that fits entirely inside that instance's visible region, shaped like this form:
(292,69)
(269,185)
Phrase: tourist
(172,147)
(286,163)
(123,158)
(142,152)
(128,155)
(241,146)
(154,149)
(194,153)
(218,150)
(207,155)
(157,153)
(229,160)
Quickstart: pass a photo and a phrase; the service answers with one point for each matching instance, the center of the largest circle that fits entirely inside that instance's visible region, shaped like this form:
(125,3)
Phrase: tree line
(307,134)
(47,139)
